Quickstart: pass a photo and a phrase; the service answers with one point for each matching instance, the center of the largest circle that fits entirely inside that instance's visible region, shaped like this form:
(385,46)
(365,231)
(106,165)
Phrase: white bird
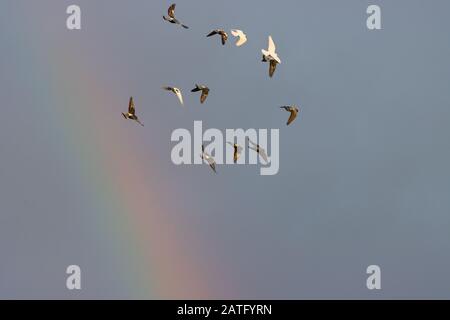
(209,159)
(177,92)
(270,53)
(258,149)
(242,37)
(271,56)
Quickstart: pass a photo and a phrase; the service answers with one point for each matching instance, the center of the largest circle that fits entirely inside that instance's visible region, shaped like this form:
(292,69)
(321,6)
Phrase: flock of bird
(268,55)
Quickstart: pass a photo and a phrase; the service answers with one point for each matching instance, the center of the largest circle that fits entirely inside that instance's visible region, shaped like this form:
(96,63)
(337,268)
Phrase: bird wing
(204,95)
(237,153)
(234,153)
(211,163)
(138,121)
(242,40)
(131,109)
(171,11)
(292,117)
(272,67)
(272,46)
(180,96)
(242,37)
(196,89)
(276,58)
(263,154)
(209,159)
(224,37)
(212,33)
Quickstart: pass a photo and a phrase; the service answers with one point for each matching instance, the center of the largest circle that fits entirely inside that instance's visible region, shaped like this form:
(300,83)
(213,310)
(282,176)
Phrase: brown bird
(237,151)
(223,35)
(209,159)
(293,110)
(131,112)
(204,90)
(171,16)
(272,65)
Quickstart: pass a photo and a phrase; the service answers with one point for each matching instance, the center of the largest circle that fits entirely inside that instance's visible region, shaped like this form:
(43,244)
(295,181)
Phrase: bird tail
(124,115)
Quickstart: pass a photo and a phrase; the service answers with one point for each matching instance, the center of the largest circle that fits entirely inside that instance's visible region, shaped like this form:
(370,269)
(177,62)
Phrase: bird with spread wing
(222,33)
(293,110)
(131,114)
(177,93)
(203,89)
(171,17)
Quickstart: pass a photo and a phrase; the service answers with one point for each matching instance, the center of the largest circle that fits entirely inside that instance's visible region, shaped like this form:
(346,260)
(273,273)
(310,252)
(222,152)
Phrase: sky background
(363,178)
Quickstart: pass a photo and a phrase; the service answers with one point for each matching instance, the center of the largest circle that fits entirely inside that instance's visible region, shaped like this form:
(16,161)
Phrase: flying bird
(223,35)
(203,89)
(177,92)
(209,159)
(171,16)
(270,53)
(258,149)
(272,67)
(237,151)
(293,110)
(271,56)
(131,114)
(242,37)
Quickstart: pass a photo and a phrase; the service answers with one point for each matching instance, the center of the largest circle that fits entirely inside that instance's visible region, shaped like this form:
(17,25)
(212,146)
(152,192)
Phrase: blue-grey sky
(363,177)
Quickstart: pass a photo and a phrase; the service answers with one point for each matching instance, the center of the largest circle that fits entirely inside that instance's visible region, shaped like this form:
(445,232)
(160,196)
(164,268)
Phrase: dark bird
(131,112)
(203,89)
(171,16)
(237,151)
(293,110)
(272,67)
(223,35)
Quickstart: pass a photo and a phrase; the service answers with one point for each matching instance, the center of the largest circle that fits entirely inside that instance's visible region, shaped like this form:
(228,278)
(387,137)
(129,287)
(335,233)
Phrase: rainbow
(138,228)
